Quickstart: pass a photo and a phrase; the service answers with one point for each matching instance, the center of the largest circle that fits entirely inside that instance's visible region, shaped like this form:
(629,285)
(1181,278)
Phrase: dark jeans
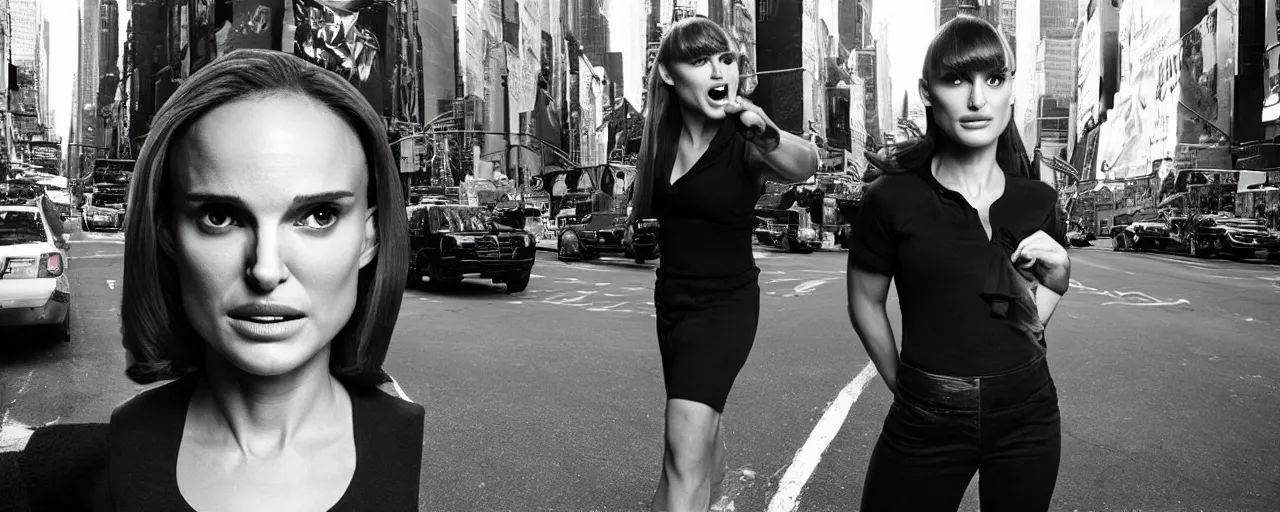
(941,430)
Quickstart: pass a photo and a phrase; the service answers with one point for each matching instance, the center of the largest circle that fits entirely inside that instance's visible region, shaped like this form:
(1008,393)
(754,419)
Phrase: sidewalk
(547,245)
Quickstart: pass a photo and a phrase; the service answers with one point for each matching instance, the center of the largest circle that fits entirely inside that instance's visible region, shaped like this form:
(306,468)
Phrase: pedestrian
(263,280)
(975,243)
(704,158)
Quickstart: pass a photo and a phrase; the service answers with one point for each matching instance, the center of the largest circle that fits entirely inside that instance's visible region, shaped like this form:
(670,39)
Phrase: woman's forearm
(794,160)
(871,322)
(1046,302)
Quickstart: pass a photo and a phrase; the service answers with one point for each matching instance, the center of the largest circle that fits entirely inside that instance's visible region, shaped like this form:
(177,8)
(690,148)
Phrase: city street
(551,399)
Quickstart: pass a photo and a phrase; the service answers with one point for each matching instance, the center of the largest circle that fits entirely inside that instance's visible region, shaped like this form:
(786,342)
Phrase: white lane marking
(610,309)
(111,283)
(14,435)
(1127,298)
(807,287)
(603,284)
(1103,267)
(1222,277)
(536,276)
(808,456)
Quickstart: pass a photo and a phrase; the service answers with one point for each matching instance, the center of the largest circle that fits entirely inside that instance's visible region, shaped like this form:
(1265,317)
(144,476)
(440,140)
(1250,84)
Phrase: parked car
(1148,231)
(451,241)
(34,288)
(1232,236)
(104,210)
(605,232)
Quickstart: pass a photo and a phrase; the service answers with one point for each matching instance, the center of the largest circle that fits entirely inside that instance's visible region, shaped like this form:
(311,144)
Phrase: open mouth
(719,92)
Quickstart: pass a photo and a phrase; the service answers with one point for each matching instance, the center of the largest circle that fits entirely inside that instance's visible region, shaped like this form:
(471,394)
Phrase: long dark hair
(688,40)
(963,46)
(159,341)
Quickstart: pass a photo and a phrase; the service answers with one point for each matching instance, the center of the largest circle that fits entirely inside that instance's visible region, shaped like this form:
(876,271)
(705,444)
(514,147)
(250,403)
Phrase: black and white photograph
(640,255)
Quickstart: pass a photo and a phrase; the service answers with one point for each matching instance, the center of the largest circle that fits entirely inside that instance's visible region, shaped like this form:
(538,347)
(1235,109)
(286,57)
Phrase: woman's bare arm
(868,296)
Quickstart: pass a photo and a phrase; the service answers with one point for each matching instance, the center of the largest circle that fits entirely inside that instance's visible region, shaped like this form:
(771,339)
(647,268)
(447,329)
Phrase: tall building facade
(439,63)
(786,40)
(947,10)
(86,136)
(855,24)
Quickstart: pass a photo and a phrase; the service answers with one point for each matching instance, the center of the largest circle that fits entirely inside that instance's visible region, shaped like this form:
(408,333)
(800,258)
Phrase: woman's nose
(977,98)
(717,69)
(266,268)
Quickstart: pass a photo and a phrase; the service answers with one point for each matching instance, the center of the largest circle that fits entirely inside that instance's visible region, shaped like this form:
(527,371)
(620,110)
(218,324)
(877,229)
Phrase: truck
(108,194)
(808,216)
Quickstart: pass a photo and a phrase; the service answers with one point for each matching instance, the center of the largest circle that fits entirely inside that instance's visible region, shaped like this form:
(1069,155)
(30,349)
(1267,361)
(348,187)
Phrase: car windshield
(452,220)
(108,200)
(20,228)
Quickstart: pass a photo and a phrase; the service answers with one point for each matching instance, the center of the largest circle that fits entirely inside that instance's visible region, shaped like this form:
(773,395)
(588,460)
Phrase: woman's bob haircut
(159,341)
(688,40)
(963,46)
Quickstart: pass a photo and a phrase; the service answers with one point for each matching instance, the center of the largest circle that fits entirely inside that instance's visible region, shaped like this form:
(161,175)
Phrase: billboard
(1271,64)
(1206,78)
(1089,75)
(354,45)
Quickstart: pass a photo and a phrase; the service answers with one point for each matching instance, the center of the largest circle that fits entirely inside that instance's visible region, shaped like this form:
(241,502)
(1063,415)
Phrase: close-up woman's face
(972,109)
(271,226)
(706,84)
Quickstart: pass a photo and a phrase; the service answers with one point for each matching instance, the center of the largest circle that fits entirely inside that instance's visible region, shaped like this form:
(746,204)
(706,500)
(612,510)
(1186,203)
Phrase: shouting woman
(704,159)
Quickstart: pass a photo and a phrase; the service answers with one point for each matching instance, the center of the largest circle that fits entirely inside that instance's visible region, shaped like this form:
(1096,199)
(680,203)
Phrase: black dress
(131,463)
(707,294)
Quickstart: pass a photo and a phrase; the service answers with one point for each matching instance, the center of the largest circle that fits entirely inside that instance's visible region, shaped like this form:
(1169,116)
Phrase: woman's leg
(1020,468)
(690,458)
(923,462)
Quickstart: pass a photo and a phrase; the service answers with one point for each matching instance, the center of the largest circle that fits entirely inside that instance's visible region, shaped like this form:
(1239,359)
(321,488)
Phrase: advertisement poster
(1201,86)
(1088,76)
(351,43)
(1271,64)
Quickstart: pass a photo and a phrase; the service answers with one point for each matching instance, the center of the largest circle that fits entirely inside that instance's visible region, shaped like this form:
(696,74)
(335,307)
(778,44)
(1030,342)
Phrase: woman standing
(704,159)
(973,240)
(264,267)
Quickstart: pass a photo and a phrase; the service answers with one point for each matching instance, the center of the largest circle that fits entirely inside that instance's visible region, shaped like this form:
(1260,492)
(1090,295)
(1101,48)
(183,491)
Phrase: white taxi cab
(34,288)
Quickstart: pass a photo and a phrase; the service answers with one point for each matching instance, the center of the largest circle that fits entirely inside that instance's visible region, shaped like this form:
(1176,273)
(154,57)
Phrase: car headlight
(463,239)
(807,233)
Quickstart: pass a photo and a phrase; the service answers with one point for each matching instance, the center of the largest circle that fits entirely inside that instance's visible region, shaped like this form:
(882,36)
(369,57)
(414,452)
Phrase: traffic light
(504,80)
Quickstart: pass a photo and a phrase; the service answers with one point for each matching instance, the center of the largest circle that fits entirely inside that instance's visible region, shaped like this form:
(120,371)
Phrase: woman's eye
(995,80)
(217,219)
(321,218)
(700,61)
(728,59)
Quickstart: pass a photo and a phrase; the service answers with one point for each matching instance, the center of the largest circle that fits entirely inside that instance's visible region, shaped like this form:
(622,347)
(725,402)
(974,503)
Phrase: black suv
(450,241)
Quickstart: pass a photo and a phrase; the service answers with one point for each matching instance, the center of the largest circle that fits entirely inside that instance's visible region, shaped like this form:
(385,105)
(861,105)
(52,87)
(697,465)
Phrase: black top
(966,310)
(707,216)
(131,464)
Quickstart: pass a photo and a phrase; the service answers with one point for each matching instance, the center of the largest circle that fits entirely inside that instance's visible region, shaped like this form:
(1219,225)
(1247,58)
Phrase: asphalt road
(551,399)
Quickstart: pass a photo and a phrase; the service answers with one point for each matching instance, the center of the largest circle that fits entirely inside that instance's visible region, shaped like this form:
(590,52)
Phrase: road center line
(808,456)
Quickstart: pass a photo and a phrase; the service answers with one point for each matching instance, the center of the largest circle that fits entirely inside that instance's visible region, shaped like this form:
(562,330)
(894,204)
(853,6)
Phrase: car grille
(492,247)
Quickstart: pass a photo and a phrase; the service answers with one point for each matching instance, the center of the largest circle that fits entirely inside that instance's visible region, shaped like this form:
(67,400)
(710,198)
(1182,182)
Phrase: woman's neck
(697,131)
(262,416)
(970,169)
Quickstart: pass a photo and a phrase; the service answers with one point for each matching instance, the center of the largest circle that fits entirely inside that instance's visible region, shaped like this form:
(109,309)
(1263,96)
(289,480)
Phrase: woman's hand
(1047,260)
(755,126)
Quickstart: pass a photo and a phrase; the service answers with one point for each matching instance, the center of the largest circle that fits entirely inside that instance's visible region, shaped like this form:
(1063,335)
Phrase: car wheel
(518,282)
(786,244)
(62,331)
(568,246)
(1117,243)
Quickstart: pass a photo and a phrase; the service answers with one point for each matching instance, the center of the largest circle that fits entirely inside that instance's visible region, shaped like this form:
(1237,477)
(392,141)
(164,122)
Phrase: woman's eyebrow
(320,197)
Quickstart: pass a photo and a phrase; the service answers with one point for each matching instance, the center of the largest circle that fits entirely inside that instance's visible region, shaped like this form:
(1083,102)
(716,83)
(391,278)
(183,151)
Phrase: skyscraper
(855,24)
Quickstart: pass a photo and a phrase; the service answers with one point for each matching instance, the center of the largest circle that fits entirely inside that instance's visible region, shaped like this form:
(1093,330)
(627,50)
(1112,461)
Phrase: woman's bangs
(968,48)
(696,40)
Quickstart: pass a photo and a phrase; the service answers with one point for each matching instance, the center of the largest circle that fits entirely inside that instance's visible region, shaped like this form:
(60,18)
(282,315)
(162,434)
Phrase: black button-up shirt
(932,243)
